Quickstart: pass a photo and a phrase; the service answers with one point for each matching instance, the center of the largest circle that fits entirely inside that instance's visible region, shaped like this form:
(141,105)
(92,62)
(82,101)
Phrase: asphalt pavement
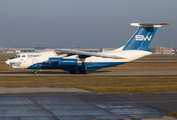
(94,73)
(86,105)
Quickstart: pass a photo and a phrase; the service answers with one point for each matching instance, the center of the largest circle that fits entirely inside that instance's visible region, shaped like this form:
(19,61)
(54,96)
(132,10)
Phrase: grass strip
(174,114)
(161,56)
(6,56)
(101,84)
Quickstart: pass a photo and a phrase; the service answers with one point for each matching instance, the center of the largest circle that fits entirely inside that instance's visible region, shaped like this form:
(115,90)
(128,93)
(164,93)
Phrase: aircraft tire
(34,72)
(77,72)
(85,72)
(72,72)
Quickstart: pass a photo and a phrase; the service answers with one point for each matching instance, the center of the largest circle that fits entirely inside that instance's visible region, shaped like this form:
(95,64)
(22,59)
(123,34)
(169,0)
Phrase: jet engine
(64,61)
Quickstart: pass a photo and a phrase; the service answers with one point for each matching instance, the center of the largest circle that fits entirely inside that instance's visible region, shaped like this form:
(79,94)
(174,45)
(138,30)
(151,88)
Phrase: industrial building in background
(157,50)
(40,49)
(164,50)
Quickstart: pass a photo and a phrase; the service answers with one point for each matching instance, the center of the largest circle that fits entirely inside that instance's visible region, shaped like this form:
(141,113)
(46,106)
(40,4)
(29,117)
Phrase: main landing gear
(85,72)
(72,72)
(79,72)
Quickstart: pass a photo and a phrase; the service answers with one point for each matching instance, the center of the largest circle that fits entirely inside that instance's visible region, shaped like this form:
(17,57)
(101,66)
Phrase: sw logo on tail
(77,62)
(141,37)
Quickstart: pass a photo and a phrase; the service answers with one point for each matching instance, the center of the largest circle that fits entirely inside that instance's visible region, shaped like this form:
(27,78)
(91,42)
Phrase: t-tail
(143,36)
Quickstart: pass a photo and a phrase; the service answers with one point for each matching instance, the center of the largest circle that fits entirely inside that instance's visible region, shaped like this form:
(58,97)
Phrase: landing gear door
(34,62)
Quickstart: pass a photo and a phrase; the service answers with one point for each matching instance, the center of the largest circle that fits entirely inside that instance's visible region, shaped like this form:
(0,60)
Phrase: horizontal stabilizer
(149,24)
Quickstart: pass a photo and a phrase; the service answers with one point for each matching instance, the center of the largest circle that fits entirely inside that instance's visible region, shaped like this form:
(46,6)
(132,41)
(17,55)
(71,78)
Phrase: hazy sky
(83,23)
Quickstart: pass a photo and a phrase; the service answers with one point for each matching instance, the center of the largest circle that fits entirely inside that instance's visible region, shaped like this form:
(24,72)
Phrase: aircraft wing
(86,54)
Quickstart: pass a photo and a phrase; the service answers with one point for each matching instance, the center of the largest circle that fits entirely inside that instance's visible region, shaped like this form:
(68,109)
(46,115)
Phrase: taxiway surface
(86,105)
(159,72)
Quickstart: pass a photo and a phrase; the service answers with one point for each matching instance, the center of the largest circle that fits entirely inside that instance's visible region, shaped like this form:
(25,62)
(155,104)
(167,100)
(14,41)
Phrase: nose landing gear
(34,72)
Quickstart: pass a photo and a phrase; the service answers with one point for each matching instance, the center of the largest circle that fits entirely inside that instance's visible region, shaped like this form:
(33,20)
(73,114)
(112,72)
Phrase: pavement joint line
(64,103)
(163,92)
(41,106)
(58,94)
(154,101)
(95,105)
(133,103)
(138,113)
(63,115)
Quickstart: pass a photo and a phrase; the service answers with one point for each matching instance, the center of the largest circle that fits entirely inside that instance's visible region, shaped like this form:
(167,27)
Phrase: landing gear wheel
(72,72)
(77,72)
(85,72)
(34,72)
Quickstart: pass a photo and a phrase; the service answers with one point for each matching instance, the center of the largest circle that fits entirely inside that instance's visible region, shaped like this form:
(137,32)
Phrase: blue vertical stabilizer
(142,37)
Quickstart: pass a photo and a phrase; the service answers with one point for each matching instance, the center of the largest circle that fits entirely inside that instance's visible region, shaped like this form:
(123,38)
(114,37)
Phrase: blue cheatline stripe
(90,66)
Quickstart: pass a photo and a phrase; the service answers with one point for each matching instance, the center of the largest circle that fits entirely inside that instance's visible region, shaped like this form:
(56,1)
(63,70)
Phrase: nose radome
(7,62)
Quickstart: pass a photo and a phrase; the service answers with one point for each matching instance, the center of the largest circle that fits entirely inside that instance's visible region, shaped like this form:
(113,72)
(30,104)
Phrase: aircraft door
(34,62)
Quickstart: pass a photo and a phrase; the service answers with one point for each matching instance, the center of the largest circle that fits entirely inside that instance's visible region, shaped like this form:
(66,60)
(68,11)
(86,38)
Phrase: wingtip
(120,58)
(165,23)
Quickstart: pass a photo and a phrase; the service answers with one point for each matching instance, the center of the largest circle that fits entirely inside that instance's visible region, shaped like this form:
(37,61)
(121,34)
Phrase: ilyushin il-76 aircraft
(77,62)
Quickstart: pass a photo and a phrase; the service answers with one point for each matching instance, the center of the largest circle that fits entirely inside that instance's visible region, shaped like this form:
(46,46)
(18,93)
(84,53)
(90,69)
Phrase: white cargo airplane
(77,62)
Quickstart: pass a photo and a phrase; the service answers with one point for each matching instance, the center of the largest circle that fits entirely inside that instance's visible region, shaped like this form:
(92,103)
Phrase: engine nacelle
(61,61)
(53,61)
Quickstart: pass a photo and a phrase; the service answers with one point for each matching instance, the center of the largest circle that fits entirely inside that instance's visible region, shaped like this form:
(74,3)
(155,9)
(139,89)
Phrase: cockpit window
(16,56)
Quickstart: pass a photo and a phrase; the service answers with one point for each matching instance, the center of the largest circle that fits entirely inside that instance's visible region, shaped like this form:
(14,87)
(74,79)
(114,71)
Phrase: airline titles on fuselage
(32,56)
